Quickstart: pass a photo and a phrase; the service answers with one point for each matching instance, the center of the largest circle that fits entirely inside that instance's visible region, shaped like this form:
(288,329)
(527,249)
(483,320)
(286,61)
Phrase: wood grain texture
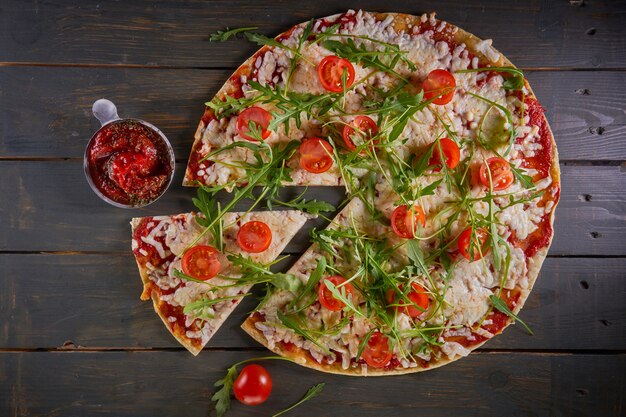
(531,33)
(175,384)
(41,118)
(53,209)
(92,302)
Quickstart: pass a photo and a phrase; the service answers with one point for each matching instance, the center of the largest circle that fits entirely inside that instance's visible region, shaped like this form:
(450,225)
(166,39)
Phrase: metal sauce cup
(105,111)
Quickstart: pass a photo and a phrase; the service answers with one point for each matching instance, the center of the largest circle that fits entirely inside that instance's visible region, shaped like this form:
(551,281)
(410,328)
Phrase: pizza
(451,176)
(194,286)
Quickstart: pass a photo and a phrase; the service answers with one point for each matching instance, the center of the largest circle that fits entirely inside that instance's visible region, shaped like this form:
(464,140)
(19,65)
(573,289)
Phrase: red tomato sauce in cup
(129,163)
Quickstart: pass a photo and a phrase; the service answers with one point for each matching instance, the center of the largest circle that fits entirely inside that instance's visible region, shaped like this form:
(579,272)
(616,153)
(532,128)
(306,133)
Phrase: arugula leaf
(341,295)
(197,307)
(221,397)
(514,82)
(211,218)
(384,60)
(313,392)
(224,35)
(294,325)
(415,254)
(181,275)
(311,283)
(263,40)
(500,305)
(314,207)
(430,189)
(255,272)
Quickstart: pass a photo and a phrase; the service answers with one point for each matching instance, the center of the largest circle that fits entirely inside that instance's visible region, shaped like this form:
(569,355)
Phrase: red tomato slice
(501,174)
(363,127)
(326,298)
(253,385)
(404,222)
(316,155)
(260,117)
(468,248)
(330,70)
(440,84)
(418,296)
(254,237)
(377,353)
(201,262)
(451,153)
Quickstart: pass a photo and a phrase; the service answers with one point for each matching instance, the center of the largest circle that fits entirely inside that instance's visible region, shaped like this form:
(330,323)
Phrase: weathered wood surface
(58,56)
(174,383)
(531,33)
(92,302)
(51,208)
(41,118)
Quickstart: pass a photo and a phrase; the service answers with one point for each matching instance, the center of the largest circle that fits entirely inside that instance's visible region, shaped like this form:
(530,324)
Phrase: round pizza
(451,177)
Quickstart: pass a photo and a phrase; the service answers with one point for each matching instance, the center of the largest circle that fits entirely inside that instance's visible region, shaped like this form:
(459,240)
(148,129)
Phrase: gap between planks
(227,68)
(64,349)
(564,162)
(120,253)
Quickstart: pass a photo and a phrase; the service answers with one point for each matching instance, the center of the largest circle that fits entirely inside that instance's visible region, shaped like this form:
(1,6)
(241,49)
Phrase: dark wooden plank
(585,109)
(92,302)
(53,209)
(176,384)
(531,33)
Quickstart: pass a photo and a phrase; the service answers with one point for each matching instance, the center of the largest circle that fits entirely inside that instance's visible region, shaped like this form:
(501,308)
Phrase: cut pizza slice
(194,286)
(373,303)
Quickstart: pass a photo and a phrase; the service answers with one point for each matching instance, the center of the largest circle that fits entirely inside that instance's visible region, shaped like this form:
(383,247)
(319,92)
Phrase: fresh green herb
(211,216)
(297,327)
(181,275)
(224,35)
(310,285)
(198,307)
(513,82)
(501,306)
(313,392)
(221,397)
(340,294)
(314,207)
(255,273)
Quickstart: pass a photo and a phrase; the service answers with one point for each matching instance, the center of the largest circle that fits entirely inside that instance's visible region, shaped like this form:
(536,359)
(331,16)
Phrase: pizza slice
(194,286)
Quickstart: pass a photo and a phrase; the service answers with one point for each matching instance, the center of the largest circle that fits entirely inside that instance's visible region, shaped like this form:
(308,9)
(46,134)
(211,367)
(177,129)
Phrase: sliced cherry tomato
(468,244)
(418,296)
(404,222)
(326,298)
(201,262)
(253,385)
(451,153)
(316,155)
(363,127)
(440,84)
(501,174)
(260,117)
(254,237)
(330,72)
(377,353)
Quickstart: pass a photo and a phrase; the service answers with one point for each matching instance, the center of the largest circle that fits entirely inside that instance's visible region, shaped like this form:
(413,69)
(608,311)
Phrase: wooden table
(76,341)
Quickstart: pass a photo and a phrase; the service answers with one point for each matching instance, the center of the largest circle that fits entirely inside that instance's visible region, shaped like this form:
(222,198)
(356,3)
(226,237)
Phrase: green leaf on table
(313,392)
(224,35)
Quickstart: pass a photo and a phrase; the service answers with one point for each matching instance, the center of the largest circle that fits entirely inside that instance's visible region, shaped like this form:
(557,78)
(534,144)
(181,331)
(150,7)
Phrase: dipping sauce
(129,162)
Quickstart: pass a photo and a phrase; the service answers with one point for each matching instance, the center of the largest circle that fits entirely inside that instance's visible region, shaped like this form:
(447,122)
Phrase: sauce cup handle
(105,111)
